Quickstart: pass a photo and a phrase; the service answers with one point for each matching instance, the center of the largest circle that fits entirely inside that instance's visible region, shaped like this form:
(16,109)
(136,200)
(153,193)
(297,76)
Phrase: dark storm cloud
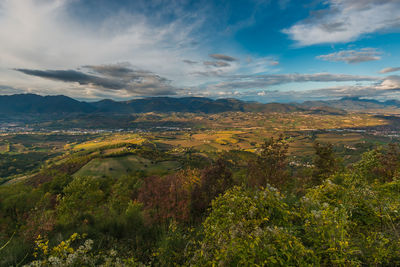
(111,77)
(74,76)
(222,57)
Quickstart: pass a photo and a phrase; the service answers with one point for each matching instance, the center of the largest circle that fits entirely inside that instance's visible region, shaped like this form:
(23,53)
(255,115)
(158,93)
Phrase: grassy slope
(119,166)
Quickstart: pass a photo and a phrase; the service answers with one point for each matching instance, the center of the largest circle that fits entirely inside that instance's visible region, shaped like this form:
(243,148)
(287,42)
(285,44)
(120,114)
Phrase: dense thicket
(255,210)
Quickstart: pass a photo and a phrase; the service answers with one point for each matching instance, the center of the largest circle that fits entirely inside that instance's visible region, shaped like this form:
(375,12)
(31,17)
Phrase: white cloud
(390,83)
(346,20)
(259,65)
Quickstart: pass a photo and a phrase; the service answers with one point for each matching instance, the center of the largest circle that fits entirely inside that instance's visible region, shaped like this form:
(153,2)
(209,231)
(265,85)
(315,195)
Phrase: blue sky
(263,50)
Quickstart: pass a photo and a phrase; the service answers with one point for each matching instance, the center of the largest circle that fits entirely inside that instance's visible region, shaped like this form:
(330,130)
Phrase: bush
(248,227)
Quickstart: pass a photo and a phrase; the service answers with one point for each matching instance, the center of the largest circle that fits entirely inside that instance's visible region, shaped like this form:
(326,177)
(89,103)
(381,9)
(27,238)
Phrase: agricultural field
(272,121)
(23,153)
(107,140)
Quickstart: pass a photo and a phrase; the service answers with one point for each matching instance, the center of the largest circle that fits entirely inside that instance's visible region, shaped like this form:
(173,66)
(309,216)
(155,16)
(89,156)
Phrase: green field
(119,166)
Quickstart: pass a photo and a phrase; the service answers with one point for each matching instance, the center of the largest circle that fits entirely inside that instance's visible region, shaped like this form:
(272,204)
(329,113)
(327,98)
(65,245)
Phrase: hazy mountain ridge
(354,103)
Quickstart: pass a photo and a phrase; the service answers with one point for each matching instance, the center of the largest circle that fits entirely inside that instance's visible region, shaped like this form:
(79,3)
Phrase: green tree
(81,201)
(325,162)
(270,167)
(251,228)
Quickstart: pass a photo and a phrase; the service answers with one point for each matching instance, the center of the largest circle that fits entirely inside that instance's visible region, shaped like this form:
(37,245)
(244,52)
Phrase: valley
(157,173)
(22,149)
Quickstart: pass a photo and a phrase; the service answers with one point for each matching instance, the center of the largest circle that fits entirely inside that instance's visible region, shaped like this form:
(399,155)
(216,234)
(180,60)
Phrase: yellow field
(109,141)
(4,148)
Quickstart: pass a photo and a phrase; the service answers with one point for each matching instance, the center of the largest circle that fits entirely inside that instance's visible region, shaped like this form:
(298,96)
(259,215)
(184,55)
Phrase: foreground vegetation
(187,207)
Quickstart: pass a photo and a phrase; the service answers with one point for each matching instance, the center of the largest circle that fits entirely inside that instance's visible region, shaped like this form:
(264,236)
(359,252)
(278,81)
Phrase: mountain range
(36,104)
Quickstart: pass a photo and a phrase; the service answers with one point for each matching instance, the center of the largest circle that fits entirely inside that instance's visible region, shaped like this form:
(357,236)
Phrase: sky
(254,50)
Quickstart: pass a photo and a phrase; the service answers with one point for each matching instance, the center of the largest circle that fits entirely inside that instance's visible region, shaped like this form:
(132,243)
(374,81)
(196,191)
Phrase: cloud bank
(387,88)
(342,21)
(265,81)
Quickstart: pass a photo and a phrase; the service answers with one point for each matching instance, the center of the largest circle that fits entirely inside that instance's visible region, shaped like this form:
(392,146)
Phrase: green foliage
(12,164)
(251,228)
(343,217)
(82,198)
(173,245)
(366,215)
(326,227)
(365,169)
(16,201)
